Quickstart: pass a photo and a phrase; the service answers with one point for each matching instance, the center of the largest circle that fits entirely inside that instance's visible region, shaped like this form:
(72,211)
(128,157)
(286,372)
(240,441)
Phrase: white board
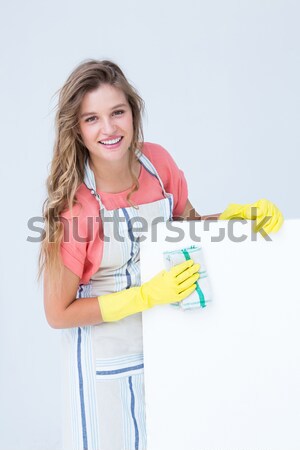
(227,377)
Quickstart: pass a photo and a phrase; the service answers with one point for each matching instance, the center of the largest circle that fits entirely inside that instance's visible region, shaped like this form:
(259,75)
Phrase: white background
(221,86)
(227,376)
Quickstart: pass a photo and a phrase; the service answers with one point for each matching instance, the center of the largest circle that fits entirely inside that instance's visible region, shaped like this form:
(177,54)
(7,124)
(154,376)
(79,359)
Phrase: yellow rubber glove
(166,287)
(267,215)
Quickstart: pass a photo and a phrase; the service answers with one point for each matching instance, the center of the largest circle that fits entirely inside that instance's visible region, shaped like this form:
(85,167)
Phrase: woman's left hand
(267,215)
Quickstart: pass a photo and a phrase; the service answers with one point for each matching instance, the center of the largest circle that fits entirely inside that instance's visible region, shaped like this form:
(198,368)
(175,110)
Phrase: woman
(103,179)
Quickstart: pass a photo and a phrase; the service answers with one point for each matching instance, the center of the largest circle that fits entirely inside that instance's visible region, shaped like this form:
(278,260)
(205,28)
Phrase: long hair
(69,153)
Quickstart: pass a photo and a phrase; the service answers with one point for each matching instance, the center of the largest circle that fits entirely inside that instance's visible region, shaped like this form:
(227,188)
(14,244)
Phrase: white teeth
(113,141)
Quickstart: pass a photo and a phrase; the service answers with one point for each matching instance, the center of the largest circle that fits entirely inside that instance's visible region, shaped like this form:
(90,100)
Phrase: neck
(109,170)
(114,176)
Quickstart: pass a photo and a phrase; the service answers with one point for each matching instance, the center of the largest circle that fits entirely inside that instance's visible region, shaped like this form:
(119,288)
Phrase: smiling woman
(102,169)
(103,177)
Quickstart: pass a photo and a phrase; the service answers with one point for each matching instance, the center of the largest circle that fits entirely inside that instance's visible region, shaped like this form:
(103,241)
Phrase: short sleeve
(171,175)
(74,244)
(82,244)
(179,189)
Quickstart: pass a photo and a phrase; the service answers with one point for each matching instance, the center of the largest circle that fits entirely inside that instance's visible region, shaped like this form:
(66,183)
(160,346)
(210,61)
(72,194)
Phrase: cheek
(87,133)
(128,124)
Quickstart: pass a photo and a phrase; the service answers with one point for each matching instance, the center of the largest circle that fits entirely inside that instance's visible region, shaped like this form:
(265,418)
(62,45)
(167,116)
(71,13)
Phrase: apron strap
(147,164)
(90,182)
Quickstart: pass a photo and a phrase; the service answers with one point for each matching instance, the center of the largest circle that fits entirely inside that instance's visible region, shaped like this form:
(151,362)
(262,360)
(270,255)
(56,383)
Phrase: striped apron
(103,382)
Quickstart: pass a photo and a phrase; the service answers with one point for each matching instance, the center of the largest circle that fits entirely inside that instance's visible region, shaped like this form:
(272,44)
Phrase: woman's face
(105,122)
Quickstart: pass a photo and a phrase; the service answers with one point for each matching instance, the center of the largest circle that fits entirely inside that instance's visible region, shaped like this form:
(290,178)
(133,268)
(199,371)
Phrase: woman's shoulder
(86,205)
(160,158)
(155,151)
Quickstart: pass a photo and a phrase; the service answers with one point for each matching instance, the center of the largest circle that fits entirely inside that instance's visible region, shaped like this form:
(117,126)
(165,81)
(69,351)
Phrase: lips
(111,141)
(112,146)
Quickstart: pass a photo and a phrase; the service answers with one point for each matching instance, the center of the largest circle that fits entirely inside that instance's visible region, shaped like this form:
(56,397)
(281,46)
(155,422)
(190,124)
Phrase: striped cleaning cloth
(202,294)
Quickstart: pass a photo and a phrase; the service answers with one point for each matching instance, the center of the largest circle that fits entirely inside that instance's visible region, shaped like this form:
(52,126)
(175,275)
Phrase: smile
(112,141)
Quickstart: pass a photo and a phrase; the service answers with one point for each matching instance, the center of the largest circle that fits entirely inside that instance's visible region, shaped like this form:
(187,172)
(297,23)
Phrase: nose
(108,126)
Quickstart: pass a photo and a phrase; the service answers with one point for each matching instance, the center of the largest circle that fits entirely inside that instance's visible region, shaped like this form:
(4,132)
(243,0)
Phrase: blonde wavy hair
(69,153)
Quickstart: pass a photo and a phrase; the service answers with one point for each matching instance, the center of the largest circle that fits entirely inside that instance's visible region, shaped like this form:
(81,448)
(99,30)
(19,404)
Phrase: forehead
(105,97)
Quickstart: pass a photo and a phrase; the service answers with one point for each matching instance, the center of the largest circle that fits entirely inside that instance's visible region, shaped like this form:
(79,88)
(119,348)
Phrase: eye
(119,112)
(91,119)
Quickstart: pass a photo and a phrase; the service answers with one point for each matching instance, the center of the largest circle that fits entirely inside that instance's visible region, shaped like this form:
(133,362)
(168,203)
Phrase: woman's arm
(190,213)
(62,309)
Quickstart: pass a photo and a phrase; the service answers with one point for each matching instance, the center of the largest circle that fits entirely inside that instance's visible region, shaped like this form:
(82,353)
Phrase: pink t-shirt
(82,245)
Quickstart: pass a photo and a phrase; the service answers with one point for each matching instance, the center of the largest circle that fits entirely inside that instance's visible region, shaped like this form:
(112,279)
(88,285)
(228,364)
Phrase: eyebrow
(114,107)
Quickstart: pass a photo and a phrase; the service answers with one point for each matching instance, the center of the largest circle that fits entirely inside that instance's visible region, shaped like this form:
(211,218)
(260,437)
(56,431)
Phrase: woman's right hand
(166,287)
(171,286)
